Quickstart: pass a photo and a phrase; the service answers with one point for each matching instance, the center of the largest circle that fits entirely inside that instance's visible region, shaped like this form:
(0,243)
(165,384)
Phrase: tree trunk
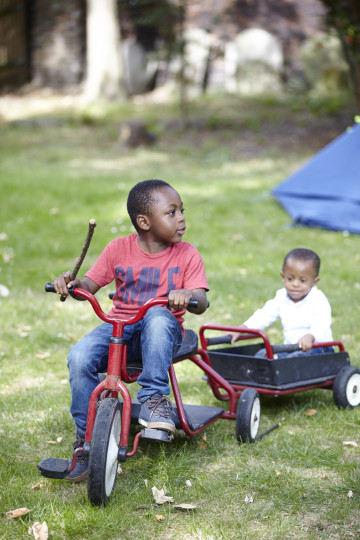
(104,69)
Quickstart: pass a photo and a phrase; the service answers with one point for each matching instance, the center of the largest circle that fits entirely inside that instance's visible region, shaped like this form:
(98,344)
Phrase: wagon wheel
(103,459)
(346,389)
(248,416)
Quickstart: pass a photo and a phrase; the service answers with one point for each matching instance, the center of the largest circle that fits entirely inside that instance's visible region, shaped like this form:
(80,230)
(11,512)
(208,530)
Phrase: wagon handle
(80,259)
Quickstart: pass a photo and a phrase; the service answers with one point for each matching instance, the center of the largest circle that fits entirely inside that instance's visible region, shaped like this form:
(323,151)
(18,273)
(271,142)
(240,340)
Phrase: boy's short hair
(303,254)
(141,198)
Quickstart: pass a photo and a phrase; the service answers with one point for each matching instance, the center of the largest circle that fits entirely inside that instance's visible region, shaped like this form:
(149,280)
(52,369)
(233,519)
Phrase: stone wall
(290,21)
(58,28)
(58,42)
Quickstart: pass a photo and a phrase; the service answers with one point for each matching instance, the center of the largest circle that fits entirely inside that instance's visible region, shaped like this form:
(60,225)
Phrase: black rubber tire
(103,458)
(248,416)
(346,389)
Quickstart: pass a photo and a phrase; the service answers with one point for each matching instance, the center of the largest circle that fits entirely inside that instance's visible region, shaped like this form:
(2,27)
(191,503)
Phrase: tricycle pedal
(54,468)
(157,435)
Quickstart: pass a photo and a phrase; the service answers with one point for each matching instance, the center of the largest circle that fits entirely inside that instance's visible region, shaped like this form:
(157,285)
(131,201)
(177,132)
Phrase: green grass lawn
(302,479)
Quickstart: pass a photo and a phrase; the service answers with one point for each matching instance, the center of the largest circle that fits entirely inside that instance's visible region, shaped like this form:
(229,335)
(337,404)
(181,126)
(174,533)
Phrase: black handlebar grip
(290,347)
(49,287)
(219,340)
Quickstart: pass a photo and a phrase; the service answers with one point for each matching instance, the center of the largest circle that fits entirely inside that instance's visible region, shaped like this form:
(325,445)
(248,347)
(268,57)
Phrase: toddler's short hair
(141,198)
(303,254)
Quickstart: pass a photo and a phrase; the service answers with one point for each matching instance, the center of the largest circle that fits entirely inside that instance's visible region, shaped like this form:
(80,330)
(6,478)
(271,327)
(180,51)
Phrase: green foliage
(344,17)
(56,176)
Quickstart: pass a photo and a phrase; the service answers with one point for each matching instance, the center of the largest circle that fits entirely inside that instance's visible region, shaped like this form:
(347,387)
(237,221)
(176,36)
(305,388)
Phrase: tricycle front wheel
(248,416)
(346,389)
(103,459)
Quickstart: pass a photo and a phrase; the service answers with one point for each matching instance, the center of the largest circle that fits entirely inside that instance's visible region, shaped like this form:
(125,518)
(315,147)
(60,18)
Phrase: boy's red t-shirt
(140,276)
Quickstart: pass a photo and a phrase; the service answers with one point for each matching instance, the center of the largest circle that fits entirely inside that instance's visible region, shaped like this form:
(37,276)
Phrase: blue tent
(326,191)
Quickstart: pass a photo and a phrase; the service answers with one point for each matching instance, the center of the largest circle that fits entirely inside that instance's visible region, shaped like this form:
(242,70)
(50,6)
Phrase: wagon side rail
(246,333)
(252,333)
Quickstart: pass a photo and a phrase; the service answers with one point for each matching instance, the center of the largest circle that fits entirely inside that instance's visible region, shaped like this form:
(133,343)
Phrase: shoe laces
(159,406)
(79,443)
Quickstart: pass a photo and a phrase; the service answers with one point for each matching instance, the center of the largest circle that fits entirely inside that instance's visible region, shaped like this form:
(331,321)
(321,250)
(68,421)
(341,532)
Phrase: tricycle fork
(113,384)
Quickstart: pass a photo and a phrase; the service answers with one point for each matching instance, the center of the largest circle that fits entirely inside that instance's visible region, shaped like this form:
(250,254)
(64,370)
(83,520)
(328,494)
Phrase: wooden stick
(80,259)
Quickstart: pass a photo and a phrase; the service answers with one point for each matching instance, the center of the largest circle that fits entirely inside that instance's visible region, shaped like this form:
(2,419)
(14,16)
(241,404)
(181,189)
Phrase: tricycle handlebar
(75,291)
(49,287)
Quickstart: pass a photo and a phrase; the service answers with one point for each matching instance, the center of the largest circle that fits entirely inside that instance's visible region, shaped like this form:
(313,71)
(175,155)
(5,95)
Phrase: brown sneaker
(80,470)
(155,413)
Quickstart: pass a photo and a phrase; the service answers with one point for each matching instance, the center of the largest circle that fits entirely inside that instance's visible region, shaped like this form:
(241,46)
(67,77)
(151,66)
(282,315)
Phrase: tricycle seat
(189,347)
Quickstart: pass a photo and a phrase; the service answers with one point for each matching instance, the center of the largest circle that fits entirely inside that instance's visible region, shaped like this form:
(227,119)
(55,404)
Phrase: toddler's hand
(305,343)
(234,336)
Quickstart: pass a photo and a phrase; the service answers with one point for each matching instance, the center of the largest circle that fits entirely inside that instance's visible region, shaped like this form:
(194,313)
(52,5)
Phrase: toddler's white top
(312,315)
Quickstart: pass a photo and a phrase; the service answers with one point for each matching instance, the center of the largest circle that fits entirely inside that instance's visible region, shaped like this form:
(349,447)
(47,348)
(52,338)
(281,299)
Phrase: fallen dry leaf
(202,443)
(159,517)
(160,497)
(350,443)
(39,531)
(8,255)
(185,506)
(188,484)
(36,486)
(249,499)
(350,494)
(17,513)
(42,355)
(69,337)
(310,412)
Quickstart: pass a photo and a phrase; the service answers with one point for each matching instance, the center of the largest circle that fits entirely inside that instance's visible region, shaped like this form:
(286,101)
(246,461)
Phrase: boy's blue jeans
(155,339)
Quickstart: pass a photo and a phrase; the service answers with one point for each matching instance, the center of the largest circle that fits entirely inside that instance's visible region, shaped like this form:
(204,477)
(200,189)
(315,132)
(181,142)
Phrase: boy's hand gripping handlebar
(80,259)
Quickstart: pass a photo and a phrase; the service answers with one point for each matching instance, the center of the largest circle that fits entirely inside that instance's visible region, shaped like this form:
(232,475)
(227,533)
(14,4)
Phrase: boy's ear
(316,280)
(282,275)
(143,222)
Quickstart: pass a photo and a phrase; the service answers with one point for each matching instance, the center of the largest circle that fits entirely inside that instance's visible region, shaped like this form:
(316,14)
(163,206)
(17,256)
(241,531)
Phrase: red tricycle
(111,409)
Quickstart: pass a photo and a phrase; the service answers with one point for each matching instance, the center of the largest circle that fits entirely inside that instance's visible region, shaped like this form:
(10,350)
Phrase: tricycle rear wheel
(103,458)
(248,416)
(346,389)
